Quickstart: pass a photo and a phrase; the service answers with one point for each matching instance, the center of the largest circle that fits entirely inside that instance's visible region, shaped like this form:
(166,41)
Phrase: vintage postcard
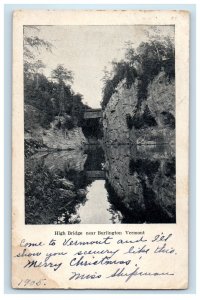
(100,149)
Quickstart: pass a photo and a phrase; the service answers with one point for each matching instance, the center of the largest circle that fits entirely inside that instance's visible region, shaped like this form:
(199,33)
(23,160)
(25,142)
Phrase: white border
(87,296)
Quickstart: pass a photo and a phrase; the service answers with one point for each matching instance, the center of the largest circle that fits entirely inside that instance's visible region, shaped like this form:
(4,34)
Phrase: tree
(62,74)
(51,98)
(121,70)
(106,75)
(145,62)
(32,47)
(129,52)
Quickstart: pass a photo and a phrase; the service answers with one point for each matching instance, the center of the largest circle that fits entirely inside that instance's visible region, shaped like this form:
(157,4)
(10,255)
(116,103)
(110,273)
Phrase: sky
(86,50)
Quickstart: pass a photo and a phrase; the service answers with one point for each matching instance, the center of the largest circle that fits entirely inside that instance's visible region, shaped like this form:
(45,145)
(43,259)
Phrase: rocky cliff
(161,100)
(57,136)
(122,103)
(125,120)
(64,140)
(140,153)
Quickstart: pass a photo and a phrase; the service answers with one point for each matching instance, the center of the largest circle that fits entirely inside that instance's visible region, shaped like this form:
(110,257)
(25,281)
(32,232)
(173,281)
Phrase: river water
(97,209)
(117,184)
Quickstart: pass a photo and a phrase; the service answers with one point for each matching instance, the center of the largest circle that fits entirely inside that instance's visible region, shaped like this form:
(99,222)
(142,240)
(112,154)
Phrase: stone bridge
(96,175)
(95,113)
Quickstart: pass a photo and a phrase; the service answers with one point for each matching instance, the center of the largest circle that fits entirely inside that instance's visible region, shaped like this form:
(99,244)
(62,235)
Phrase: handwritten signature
(137,272)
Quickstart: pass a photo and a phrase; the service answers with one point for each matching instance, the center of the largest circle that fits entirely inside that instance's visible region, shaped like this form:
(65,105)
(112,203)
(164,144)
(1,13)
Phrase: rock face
(122,103)
(151,122)
(56,137)
(63,140)
(140,153)
(161,100)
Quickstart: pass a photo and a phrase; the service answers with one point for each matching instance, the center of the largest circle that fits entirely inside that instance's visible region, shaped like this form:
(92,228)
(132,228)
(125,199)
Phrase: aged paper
(100,149)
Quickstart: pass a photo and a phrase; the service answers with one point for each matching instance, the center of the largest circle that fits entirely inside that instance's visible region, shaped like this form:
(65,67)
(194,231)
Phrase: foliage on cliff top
(143,63)
(121,70)
(51,99)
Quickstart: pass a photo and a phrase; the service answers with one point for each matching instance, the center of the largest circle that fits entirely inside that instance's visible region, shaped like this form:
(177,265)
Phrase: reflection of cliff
(124,189)
(139,136)
(55,186)
(61,160)
(158,183)
(140,185)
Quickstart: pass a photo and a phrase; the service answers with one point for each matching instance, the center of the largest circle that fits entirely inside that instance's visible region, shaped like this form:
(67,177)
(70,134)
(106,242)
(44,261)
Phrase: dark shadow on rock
(158,183)
(132,214)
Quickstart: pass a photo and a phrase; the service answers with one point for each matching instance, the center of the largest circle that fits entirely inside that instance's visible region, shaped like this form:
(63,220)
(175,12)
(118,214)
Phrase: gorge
(114,164)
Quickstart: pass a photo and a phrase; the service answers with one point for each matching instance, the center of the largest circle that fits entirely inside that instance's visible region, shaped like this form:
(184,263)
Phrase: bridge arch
(95,113)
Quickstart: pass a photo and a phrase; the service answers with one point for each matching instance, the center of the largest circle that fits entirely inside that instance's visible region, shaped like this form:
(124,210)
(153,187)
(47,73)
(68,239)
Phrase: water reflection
(117,184)
(141,182)
(97,209)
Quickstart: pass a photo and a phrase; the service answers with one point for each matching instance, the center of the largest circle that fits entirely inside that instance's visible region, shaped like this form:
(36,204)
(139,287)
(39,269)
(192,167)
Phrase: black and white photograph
(99,124)
(100,149)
